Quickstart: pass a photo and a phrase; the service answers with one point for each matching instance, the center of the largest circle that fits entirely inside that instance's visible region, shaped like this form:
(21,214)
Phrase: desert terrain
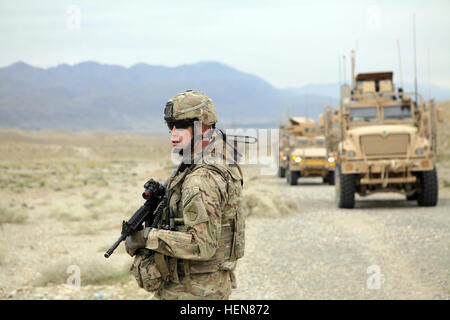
(63,196)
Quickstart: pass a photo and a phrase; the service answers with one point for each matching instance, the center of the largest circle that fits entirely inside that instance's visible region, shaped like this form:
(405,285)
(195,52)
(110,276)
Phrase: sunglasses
(179,124)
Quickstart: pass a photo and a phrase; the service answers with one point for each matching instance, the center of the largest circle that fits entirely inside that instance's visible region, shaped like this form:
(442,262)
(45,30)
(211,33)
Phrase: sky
(287,43)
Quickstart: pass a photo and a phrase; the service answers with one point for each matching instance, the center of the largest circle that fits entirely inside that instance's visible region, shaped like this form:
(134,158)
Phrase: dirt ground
(63,197)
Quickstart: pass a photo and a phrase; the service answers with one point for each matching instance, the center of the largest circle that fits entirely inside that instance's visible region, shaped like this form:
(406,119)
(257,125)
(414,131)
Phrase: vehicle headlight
(419,151)
(351,153)
(331,159)
(297,159)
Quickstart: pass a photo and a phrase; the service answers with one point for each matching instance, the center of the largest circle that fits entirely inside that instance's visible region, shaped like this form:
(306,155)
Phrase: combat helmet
(189,106)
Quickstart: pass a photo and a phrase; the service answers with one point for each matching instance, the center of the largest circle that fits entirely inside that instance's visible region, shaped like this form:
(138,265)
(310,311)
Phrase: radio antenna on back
(340,72)
(345,77)
(429,75)
(400,64)
(415,58)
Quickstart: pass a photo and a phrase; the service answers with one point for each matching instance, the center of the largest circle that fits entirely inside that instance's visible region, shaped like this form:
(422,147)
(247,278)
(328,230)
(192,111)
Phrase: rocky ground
(322,252)
(58,216)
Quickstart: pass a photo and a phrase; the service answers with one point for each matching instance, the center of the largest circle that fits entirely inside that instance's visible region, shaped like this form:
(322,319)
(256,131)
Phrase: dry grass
(2,256)
(264,200)
(70,193)
(443,154)
(12,216)
(446,183)
(92,272)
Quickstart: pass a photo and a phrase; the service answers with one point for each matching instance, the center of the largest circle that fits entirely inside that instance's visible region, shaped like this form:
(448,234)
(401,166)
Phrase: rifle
(154,194)
(156,199)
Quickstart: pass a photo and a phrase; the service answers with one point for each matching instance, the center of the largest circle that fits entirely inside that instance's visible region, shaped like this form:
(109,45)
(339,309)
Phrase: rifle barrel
(114,246)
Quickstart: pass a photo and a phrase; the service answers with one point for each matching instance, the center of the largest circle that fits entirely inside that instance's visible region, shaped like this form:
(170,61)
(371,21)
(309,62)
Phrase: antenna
(415,54)
(340,74)
(400,64)
(306,104)
(345,77)
(353,69)
(429,76)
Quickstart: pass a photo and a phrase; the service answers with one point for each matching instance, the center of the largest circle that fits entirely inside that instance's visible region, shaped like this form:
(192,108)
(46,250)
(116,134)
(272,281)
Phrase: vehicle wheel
(331,178)
(281,172)
(325,179)
(345,189)
(292,177)
(429,188)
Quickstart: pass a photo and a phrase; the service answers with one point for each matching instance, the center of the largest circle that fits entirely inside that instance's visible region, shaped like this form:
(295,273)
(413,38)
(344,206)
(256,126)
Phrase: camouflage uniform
(196,261)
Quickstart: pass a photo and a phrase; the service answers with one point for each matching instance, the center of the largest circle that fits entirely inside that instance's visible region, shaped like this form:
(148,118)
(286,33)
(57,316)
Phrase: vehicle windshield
(397,112)
(363,114)
(319,141)
(302,141)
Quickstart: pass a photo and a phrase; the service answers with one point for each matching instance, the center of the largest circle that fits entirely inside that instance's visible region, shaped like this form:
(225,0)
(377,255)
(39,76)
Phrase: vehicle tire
(292,177)
(281,172)
(345,189)
(325,179)
(429,189)
(331,178)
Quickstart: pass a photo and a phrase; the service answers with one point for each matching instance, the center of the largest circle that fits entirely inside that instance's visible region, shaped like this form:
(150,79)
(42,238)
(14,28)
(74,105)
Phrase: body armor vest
(232,237)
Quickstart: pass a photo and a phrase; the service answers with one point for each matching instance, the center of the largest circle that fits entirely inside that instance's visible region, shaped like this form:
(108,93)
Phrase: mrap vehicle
(387,142)
(302,151)
(329,128)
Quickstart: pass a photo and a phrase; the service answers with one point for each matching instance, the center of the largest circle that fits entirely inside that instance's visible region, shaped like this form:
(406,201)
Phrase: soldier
(195,259)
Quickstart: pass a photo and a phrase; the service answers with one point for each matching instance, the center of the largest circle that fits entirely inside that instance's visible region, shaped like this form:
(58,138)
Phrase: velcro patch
(194,212)
(188,194)
(192,215)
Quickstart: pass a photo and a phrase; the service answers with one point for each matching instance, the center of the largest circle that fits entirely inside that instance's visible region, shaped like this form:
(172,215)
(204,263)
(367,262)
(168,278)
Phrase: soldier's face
(180,138)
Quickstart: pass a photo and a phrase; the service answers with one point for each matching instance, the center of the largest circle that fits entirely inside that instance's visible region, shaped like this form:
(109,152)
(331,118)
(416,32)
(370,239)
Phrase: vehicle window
(397,112)
(363,114)
(319,142)
(302,141)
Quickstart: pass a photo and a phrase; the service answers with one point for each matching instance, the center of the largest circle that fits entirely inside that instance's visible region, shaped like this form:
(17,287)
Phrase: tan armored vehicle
(297,127)
(329,128)
(386,142)
(302,151)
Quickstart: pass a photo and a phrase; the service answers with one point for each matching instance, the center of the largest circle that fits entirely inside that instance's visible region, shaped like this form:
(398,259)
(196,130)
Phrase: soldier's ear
(205,129)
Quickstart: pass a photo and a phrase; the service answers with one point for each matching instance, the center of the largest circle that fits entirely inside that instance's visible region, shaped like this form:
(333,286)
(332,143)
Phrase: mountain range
(94,96)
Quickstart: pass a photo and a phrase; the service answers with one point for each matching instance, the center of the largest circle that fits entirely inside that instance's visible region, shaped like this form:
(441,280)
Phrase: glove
(136,241)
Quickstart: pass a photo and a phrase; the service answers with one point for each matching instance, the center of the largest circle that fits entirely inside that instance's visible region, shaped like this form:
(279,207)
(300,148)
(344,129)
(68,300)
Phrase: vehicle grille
(378,145)
(314,162)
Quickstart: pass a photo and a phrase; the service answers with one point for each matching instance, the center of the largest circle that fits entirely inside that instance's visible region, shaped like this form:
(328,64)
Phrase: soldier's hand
(136,241)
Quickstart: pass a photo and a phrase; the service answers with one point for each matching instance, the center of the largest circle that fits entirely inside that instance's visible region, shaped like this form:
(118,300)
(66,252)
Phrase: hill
(94,96)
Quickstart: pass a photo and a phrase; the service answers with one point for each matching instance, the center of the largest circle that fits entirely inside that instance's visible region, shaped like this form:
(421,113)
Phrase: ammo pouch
(145,271)
(239,236)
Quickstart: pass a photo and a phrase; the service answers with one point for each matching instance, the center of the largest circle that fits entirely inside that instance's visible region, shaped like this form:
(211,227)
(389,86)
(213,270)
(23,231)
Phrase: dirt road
(63,197)
(385,248)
